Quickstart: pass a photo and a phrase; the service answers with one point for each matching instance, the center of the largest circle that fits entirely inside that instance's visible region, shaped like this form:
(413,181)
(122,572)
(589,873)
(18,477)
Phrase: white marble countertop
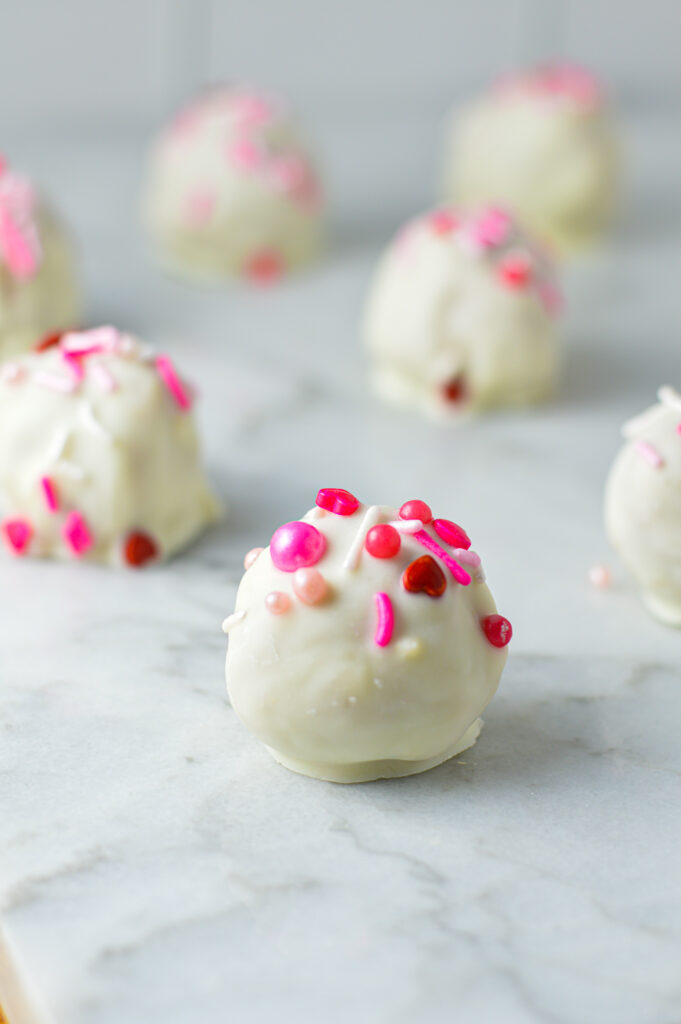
(157,866)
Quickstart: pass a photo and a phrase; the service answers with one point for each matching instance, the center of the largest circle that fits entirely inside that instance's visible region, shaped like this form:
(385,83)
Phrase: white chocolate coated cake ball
(461,316)
(541,142)
(365,643)
(643,505)
(38,291)
(231,190)
(99,456)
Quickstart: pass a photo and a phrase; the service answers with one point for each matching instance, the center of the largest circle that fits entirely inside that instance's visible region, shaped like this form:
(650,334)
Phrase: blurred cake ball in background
(643,505)
(99,456)
(461,315)
(231,189)
(38,291)
(542,142)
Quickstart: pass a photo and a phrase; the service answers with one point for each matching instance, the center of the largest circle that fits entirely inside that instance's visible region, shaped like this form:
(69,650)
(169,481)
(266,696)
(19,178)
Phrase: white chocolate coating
(543,144)
(314,685)
(442,310)
(45,297)
(232,190)
(114,444)
(643,505)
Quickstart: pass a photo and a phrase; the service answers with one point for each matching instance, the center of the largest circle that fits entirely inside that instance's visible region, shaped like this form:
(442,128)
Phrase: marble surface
(157,865)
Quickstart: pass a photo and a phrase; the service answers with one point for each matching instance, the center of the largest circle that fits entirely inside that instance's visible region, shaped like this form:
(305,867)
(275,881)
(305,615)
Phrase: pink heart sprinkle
(17,533)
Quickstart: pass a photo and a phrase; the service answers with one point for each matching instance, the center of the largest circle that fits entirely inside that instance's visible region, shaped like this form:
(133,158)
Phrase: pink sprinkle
(678,428)
(309,586)
(490,229)
(55,381)
(649,453)
(200,207)
(443,222)
(467,557)
(386,620)
(416,509)
(337,500)
(290,173)
(19,254)
(50,493)
(515,270)
(599,577)
(277,602)
(251,557)
(76,534)
(297,545)
(451,533)
(250,109)
(264,267)
(10,372)
(103,377)
(168,375)
(550,297)
(17,534)
(459,574)
(74,365)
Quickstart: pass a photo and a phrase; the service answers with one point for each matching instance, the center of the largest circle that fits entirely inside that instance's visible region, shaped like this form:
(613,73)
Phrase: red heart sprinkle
(497,629)
(139,548)
(424,576)
(455,390)
(49,341)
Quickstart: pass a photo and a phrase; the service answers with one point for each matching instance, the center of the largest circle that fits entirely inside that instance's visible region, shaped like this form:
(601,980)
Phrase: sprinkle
(168,375)
(103,377)
(244,154)
(74,365)
(17,534)
(371,517)
(233,620)
(92,423)
(386,620)
(277,603)
(297,545)
(451,533)
(76,534)
(383,541)
(55,381)
(489,230)
(424,576)
(139,548)
(456,389)
(649,453)
(416,510)
(515,270)
(251,556)
(49,493)
(497,629)
(18,244)
(264,267)
(409,647)
(406,525)
(337,500)
(200,207)
(471,558)
(599,577)
(443,222)
(49,341)
(459,574)
(309,586)
(10,373)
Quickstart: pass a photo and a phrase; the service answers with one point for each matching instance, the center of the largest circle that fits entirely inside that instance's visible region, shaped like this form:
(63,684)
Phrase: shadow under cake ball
(461,316)
(365,643)
(643,505)
(541,141)
(38,291)
(99,457)
(232,190)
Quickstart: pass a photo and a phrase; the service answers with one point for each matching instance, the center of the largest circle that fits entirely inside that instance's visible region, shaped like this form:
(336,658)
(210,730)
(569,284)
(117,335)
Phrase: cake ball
(643,505)
(38,290)
(461,315)
(365,643)
(232,190)
(99,457)
(543,143)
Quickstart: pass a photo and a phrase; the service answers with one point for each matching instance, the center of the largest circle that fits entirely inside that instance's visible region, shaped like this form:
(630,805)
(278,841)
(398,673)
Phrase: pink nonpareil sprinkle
(168,375)
(386,620)
(103,377)
(50,494)
(76,533)
(459,574)
(17,534)
(649,453)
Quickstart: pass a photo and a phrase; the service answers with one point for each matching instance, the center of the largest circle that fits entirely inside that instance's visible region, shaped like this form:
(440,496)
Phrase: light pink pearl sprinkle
(309,586)
(251,556)
(599,576)
(277,603)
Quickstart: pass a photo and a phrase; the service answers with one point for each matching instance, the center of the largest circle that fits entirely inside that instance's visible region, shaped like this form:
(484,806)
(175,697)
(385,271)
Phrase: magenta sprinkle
(49,493)
(76,534)
(416,510)
(650,454)
(386,620)
(451,534)
(459,574)
(17,533)
(296,545)
(168,375)
(338,501)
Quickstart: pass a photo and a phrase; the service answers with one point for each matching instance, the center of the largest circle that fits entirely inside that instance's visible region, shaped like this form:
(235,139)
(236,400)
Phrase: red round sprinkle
(425,576)
(516,271)
(335,499)
(416,510)
(139,548)
(265,267)
(452,534)
(443,222)
(497,629)
(49,341)
(455,390)
(383,541)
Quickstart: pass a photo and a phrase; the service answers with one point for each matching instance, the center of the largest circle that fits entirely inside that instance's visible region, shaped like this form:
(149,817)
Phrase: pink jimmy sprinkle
(74,365)
(459,574)
(76,533)
(17,533)
(168,375)
(50,494)
(649,453)
(386,620)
